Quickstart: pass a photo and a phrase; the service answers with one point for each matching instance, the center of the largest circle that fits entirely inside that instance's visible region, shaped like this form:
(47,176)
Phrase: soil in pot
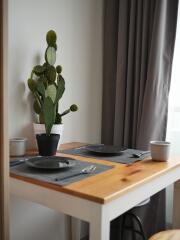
(47,145)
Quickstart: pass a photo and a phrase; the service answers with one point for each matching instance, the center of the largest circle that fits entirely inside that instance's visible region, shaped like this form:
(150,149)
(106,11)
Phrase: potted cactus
(47,87)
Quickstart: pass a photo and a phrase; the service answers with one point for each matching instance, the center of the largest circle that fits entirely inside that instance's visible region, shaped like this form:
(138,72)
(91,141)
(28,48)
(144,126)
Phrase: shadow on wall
(28,132)
(20,90)
(24,103)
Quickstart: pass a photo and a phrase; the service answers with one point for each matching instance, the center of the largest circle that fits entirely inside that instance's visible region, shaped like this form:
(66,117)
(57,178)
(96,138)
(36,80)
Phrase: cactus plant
(47,87)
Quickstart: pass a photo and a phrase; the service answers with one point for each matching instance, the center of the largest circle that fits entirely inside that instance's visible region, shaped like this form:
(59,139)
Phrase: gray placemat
(50,175)
(125,157)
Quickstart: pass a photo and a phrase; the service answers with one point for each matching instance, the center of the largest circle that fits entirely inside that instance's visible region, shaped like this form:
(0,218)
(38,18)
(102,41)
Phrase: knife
(17,162)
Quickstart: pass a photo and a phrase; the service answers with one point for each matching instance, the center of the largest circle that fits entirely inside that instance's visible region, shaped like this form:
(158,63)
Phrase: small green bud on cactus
(51,37)
(73,108)
(39,70)
(59,69)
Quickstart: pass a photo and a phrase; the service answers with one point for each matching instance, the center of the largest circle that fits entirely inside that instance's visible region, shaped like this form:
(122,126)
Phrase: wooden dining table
(100,198)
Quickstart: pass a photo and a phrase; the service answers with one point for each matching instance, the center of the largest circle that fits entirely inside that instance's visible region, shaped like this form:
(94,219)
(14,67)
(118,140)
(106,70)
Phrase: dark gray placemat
(125,157)
(49,175)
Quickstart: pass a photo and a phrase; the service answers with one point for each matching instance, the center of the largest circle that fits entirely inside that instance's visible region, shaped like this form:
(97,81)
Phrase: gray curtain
(139,38)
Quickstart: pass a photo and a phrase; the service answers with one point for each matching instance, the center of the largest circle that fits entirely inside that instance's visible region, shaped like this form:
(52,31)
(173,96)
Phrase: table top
(111,184)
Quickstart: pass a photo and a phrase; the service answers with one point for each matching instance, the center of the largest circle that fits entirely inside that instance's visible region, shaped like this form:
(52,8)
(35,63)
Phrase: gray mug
(17,146)
(160,150)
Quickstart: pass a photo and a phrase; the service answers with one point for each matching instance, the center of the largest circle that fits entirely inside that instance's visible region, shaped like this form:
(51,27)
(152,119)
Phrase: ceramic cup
(160,150)
(17,146)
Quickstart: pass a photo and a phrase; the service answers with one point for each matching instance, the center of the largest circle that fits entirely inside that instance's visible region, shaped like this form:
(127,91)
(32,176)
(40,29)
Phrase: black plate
(53,162)
(105,149)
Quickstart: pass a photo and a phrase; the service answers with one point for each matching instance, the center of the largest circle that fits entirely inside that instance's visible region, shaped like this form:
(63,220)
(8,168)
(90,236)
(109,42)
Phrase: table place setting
(55,169)
(110,153)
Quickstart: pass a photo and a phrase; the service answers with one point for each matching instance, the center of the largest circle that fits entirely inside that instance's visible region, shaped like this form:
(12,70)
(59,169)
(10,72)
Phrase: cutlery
(17,162)
(86,170)
(138,155)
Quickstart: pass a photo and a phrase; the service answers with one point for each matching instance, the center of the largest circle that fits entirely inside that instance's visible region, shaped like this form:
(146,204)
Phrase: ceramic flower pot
(56,129)
(47,145)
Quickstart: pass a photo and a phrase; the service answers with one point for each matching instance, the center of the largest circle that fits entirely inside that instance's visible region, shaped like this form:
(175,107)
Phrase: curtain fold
(138,49)
(139,38)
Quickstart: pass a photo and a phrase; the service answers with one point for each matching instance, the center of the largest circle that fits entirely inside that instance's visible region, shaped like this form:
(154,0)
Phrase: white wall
(79,28)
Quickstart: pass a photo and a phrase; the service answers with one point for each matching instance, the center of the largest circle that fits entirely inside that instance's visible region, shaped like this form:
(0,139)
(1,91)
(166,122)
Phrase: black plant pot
(47,145)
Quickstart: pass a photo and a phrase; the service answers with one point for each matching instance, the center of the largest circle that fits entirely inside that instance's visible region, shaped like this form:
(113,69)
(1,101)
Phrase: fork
(138,155)
(86,170)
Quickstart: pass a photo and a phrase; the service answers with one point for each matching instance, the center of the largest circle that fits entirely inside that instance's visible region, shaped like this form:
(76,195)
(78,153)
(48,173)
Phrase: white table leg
(72,228)
(75,228)
(176,207)
(99,229)
(67,220)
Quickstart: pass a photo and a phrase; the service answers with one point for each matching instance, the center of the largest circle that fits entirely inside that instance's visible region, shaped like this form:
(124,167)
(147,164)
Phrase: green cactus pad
(51,92)
(51,37)
(59,69)
(41,88)
(60,88)
(32,84)
(43,79)
(39,70)
(73,108)
(50,55)
(49,114)
(37,107)
(41,118)
(51,74)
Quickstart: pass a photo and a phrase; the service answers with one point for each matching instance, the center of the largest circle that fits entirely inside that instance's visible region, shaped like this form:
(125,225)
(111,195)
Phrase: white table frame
(98,215)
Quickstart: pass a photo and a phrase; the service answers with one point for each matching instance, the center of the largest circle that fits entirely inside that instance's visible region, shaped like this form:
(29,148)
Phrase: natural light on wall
(173,126)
